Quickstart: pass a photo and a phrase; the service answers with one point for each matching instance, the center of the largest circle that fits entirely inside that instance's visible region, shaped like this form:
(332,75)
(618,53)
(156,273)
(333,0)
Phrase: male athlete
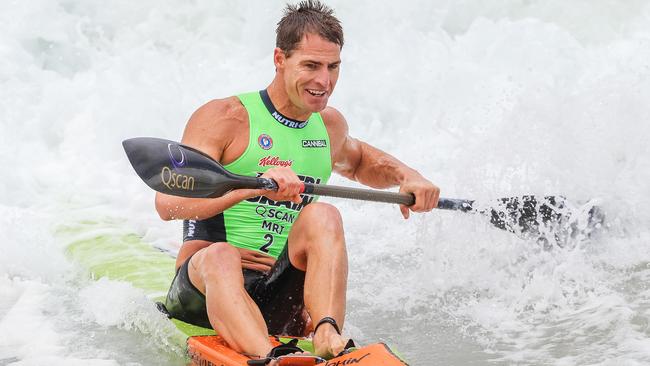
(254,261)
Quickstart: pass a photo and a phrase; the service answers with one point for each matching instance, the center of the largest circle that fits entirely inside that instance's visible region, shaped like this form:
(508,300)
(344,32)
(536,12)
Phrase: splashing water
(487,99)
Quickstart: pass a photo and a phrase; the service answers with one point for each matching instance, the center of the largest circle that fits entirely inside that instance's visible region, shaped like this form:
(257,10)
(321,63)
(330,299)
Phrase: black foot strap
(329,320)
(349,347)
(281,350)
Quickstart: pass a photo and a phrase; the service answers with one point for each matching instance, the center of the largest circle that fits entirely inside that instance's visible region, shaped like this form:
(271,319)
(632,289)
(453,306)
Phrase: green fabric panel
(262,225)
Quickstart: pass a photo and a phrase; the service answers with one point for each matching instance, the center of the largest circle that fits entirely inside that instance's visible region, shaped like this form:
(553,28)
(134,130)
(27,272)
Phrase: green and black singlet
(261,224)
(274,140)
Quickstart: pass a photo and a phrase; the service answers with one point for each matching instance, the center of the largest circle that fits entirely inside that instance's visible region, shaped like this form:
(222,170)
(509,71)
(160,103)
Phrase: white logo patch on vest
(314,143)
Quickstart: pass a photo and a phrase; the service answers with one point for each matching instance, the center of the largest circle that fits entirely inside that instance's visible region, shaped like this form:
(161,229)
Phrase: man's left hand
(426,195)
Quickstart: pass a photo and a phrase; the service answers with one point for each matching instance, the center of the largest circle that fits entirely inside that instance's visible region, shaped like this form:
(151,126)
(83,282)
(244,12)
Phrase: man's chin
(316,106)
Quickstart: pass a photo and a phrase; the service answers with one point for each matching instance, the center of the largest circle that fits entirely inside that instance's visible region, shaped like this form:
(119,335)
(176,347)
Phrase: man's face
(310,73)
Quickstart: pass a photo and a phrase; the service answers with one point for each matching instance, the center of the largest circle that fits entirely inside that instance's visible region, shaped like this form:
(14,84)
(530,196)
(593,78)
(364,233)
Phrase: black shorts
(278,294)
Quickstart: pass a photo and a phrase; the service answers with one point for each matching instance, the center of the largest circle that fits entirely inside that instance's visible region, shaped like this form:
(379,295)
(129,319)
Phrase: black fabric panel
(212,229)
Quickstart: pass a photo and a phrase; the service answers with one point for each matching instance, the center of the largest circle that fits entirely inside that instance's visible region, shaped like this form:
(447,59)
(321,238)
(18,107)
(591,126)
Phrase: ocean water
(486,98)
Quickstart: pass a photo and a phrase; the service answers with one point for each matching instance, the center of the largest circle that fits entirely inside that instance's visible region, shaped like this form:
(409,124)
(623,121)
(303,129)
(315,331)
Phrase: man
(253,261)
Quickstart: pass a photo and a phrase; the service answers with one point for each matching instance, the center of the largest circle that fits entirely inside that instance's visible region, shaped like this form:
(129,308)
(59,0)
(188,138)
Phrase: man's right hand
(289,185)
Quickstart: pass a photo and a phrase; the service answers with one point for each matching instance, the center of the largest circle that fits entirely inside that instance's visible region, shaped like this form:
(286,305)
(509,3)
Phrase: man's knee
(322,216)
(218,257)
(319,229)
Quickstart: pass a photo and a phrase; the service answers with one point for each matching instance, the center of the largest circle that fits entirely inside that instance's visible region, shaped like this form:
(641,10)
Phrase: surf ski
(125,257)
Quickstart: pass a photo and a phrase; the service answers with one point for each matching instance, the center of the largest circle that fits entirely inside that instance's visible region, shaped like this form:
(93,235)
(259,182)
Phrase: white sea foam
(488,99)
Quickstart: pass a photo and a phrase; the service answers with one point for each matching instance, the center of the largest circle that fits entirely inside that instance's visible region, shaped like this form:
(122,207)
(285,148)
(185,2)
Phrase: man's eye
(334,67)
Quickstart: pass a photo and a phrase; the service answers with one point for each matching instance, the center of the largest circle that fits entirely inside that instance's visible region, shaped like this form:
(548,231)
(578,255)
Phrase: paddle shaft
(407,199)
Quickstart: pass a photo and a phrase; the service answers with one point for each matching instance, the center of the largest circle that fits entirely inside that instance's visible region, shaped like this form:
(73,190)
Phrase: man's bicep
(346,150)
(203,130)
(348,158)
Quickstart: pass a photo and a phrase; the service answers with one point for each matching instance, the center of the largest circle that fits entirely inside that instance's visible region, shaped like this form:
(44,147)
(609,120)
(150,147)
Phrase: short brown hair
(309,16)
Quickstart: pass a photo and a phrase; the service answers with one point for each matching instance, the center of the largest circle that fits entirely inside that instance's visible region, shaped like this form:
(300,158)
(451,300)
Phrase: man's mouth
(316,93)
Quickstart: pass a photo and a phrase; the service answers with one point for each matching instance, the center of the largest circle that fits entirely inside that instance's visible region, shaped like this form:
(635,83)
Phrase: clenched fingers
(289,186)
(426,195)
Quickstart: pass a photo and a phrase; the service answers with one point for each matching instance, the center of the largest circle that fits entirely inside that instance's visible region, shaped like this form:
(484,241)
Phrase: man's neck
(282,103)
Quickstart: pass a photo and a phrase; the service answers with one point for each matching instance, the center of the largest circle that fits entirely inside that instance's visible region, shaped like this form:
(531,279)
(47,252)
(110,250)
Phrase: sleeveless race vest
(275,140)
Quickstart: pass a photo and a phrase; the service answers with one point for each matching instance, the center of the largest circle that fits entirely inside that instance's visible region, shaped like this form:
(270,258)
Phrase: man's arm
(359,161)
(211,129)
(220,129)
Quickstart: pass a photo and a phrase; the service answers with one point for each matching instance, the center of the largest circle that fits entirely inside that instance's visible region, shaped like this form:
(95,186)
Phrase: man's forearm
(182,208)
(379,169)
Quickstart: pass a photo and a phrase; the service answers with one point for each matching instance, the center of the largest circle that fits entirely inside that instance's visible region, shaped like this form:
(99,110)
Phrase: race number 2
(269,242)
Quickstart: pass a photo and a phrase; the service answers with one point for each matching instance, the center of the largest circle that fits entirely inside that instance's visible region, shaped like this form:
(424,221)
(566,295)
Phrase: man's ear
(279,58)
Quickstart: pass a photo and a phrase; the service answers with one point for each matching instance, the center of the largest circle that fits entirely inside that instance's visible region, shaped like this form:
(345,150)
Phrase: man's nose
(323,77)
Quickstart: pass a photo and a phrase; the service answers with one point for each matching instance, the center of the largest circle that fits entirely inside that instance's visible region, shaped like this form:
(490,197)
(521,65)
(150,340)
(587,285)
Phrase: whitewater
(487,99)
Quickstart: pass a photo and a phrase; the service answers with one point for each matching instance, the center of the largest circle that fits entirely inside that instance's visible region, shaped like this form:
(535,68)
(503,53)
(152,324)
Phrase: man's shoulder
(215,125)
(222,111)
(334,121)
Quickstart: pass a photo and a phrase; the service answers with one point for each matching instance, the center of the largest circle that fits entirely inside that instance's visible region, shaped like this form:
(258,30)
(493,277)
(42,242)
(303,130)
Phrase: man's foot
(327,339)
(286,349)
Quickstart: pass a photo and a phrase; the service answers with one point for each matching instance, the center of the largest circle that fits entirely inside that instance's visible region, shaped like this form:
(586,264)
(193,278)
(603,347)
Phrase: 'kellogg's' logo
(274,161)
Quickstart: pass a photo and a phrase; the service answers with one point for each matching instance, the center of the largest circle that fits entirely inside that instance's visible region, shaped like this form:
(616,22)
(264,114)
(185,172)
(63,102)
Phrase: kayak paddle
(175,169)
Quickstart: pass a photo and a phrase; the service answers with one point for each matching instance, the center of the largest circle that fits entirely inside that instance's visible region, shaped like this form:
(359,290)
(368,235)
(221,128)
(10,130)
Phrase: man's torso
(270,140)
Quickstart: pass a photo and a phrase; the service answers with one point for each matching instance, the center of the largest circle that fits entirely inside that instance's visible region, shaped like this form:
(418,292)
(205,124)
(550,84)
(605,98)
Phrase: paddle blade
(526,213)
(549,219)
(172,168)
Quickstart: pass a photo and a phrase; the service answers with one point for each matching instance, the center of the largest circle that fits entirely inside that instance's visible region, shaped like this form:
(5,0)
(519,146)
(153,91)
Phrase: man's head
(310,16)
(307,54)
